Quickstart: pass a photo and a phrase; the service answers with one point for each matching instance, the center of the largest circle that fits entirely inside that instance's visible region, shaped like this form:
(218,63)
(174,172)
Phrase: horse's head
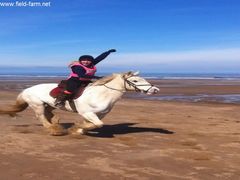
(135,83)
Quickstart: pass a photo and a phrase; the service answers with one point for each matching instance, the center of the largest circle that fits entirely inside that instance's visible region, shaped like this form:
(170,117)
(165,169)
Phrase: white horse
(96,101)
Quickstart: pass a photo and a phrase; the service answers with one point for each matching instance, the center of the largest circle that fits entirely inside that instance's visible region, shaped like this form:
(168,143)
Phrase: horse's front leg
(91,122)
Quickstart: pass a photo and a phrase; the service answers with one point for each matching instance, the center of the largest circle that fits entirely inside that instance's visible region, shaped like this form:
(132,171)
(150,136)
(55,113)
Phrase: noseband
(136,86)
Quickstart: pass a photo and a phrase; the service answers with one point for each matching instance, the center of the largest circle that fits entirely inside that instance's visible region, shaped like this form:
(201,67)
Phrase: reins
(114,88)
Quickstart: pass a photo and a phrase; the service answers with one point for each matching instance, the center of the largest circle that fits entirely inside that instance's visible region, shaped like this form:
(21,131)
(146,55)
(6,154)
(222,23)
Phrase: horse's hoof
(58,133)
(78,134)
(76,131)
(57,130)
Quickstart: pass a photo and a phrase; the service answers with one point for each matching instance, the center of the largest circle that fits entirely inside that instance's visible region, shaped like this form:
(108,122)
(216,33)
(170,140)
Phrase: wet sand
(141,139)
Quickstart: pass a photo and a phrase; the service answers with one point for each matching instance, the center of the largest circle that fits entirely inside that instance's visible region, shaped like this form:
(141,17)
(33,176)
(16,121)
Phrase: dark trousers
(73,84)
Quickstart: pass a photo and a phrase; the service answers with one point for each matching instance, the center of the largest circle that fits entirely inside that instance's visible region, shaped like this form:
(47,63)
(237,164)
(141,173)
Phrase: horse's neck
(115,87)
(117,83)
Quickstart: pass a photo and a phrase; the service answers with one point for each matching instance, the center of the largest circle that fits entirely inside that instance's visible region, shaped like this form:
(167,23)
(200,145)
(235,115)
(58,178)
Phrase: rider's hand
(112,50)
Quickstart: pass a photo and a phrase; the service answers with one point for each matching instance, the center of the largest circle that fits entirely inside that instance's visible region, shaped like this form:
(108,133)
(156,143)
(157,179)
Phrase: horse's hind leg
(56,129)
(52,118)
(45,115)
(40,114)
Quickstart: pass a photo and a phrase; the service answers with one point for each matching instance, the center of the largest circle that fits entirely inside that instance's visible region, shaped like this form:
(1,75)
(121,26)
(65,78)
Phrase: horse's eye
(135,81)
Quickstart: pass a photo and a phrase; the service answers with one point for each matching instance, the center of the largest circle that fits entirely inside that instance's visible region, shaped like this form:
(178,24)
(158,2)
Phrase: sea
(35,73)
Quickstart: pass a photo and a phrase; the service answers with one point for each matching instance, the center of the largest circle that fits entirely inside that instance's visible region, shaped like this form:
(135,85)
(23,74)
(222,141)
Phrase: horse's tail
(19,106)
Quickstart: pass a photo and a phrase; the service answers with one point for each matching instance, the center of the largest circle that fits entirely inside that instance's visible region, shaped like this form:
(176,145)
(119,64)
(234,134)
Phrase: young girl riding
(82,72)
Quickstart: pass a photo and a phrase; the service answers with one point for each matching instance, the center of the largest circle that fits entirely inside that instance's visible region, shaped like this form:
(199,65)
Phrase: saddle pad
(56,91)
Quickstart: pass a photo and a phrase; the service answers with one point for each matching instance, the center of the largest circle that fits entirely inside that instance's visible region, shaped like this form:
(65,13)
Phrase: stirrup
(59,104)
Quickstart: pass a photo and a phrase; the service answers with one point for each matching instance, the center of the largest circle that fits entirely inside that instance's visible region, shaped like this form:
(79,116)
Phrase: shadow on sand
(108,131)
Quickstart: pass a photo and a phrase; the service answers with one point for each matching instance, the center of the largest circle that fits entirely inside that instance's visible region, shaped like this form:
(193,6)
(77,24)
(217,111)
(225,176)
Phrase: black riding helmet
(88,57)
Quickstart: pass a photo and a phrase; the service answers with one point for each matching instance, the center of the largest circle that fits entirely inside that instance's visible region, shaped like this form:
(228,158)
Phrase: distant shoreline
(178,90)
(151,76)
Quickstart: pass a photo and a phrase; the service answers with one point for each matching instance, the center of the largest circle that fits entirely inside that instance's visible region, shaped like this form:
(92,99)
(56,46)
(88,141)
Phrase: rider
(83,71)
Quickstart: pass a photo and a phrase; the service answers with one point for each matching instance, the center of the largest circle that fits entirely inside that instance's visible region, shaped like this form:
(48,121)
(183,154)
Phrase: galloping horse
(95,102)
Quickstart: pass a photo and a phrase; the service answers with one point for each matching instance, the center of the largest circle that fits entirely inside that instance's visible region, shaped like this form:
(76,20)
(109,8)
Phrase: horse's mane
(104,80)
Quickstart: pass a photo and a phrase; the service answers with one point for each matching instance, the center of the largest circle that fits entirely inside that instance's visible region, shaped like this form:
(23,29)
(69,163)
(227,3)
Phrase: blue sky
(149,35)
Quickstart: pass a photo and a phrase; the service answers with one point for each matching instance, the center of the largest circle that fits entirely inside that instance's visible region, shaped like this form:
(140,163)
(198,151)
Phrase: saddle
(62,87)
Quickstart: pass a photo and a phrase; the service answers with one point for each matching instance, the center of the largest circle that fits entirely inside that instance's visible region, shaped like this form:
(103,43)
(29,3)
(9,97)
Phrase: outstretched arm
(103,56)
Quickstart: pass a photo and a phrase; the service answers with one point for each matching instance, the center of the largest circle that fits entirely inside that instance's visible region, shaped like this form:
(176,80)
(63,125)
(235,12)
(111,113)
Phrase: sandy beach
(141,139)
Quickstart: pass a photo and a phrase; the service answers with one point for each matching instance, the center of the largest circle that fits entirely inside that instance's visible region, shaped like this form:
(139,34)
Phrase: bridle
(126,81)
(136,86)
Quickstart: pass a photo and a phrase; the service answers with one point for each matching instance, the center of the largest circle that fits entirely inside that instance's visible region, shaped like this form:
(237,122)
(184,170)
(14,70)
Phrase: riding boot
(61,98)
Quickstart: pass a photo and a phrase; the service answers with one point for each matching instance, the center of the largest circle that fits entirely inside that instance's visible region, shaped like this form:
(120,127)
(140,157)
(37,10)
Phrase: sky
(149,35)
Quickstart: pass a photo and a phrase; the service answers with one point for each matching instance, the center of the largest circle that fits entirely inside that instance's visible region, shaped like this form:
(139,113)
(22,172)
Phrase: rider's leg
(61,98)
(72,85)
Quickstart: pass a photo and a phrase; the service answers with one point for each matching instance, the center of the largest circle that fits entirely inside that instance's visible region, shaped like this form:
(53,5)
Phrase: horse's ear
(136,73)
(127,74)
